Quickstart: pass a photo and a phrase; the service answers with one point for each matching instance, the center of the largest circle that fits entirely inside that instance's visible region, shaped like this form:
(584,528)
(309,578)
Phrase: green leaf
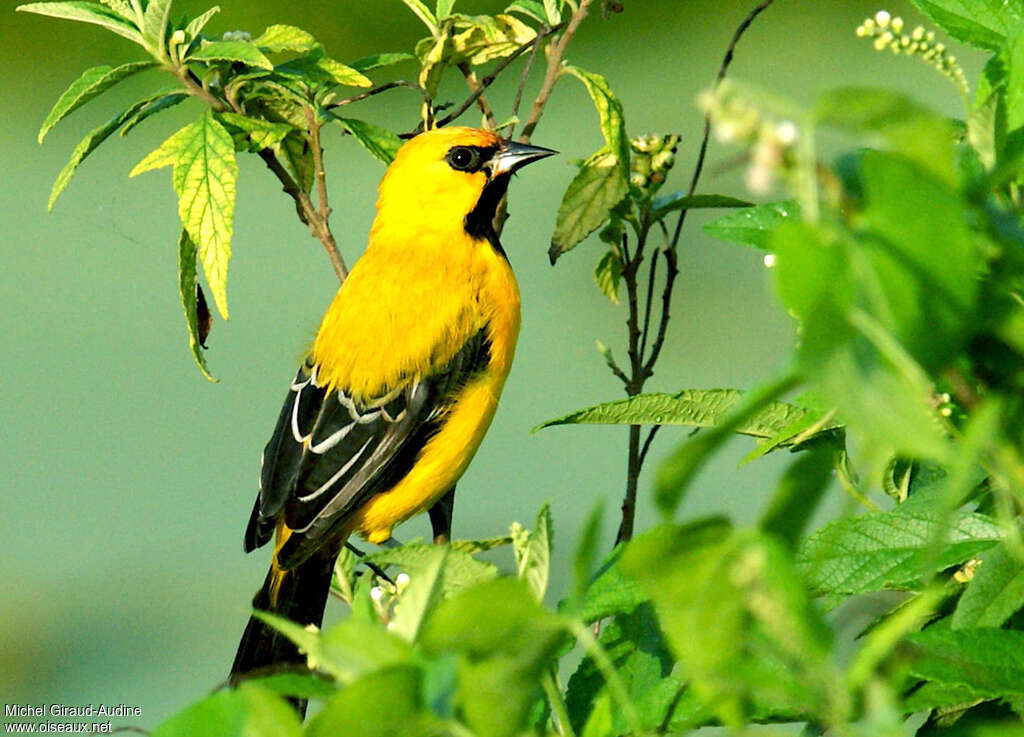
(376,61)
(533,552)
(122,8)
(1014,92)
(299,156)
(552,12)
(380,142)
(636,648)
(611,592)
(154,21)
(891,550)
(158,105)
(86,12)
(187,254)
(593,192)
(297,685)
(197,24)
(279,37)
(460,570)
(988,661)
(678,471)
(443,8)
(613,125)
(666,203)
(693,407)
(352,649)
(92,83)
(995,593)
(380,705)
(167,153)
(248,711)
(262,133)
(797,496)
(583,559)
(244,52)
(530,8)
(608,275)
(342,74)
(423,592)
(982,23)
(737,617)
(204,178)
(478,546)
(753,226)
(89,144)
(423,13)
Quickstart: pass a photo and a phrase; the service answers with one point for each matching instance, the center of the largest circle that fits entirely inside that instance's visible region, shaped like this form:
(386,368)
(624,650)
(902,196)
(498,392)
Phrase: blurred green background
(128,479)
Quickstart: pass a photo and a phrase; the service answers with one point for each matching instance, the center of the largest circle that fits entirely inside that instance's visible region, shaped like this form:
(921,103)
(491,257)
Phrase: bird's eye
(463,158)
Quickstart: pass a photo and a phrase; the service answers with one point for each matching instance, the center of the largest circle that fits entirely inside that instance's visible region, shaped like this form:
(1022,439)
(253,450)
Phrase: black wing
(329,453)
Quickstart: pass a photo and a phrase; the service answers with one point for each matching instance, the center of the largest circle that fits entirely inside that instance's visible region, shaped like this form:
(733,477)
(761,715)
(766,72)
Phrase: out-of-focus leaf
(244,52)
(530,8)
(87,12)
(376,61)
(381,704)
(187,285)
(420,596)
(753,226)
(982,23)
(380,142)
(280,37)
(248,711)
(797,496)
(995,593)
(443,8)
(611,592)
(891,550)
(297,685)
(1013,92)
(93,82)
(989,661)
(593,192)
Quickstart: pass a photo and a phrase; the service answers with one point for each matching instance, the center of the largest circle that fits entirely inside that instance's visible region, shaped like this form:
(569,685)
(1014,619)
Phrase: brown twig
(477,90)
(554,70)
(376,91)
(324,209)
(527,68)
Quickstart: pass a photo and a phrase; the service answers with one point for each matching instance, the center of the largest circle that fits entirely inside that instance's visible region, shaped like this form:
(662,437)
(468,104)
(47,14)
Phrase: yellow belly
(440,464)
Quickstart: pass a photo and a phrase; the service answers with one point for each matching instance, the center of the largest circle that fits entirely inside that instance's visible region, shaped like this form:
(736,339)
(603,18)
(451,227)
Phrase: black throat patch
(479,223)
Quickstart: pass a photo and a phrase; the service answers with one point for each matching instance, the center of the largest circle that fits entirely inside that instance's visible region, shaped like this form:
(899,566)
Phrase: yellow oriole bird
(402,381)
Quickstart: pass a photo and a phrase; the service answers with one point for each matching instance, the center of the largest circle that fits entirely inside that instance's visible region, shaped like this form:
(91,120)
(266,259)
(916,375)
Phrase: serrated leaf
(197,24)
(478,546)
(693,407)
(244,52)
(122,8)
(89,144)
(753,226)
(988,661)
(376,61)
(995,593)
(982,23)
(158,105)
(204,178)
(166,154)
(891,550)
(482,38)
(280,37)
(154,21)
(93,82)
(598,187)
(666,203)
(380,142)
(533,552)
(342,74)
(263,133)
(613,125)
(608,275)
(87,12)
(423,13)
(461,570)
(248,711)
(611,592)
(187,254)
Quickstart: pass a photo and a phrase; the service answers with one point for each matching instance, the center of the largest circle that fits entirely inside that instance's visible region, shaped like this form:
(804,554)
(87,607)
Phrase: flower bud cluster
(652,158)
(385,596)
(237,36)
(735,119)
(887,33)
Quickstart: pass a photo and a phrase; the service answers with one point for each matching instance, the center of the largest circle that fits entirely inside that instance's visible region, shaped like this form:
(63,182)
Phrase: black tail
(301,597)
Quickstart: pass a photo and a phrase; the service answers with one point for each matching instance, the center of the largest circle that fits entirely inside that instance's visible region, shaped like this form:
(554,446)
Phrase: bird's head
(453,174)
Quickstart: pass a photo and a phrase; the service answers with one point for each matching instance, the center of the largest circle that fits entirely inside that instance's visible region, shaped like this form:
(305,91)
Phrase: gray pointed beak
(512,156)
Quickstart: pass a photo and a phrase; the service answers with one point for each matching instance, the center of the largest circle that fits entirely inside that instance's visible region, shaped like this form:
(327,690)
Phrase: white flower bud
(178,37)
(882,18)
(376,593)
(897,24)
(769,260)
(786,132)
